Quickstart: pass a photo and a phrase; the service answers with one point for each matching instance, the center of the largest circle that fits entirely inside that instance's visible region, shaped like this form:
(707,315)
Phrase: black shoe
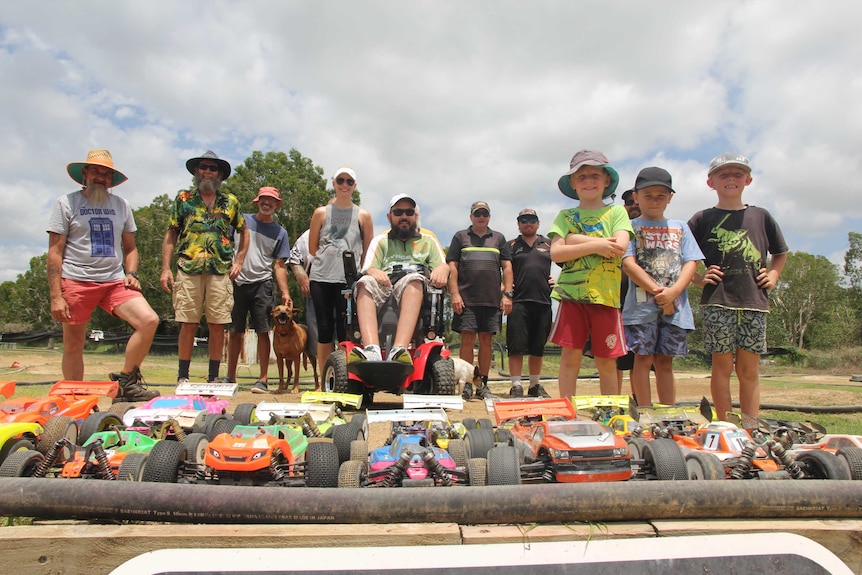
(485,393)
(260,387)
(467,394)
(538,391)
(516,391)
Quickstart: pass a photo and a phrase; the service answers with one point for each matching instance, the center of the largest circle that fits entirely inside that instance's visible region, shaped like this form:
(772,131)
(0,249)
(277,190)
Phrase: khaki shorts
(193,292)
(380,294)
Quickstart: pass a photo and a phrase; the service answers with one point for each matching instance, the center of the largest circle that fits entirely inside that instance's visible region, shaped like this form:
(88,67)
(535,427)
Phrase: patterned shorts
(657,337)
(725,330)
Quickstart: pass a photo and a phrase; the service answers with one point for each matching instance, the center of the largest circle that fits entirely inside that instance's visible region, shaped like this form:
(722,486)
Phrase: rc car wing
(345,399)
(414,415)
(79,388)
(7,389)
(544,408)
(207,389)
(425,401)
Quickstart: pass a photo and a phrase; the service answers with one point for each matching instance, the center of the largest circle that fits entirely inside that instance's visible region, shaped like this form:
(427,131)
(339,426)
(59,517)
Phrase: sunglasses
(208,168)
(629,201)
(528,219)
(350,181)
(482,213)
(403,211)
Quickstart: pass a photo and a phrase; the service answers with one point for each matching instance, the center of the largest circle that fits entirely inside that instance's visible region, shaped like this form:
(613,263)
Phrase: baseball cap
(397,198)
(268,191)
(628,193)
(528,212)
(479,206)
(588,158)
(729,159)
(344,170)
(653,176)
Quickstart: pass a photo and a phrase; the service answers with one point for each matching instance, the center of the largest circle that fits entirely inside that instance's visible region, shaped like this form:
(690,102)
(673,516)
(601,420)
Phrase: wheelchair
(432,372)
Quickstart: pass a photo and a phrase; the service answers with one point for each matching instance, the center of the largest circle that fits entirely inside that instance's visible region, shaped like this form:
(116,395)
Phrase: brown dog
(288,342)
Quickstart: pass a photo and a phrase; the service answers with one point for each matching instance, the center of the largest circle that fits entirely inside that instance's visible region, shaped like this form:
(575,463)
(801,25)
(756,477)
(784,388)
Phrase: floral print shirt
(204,237)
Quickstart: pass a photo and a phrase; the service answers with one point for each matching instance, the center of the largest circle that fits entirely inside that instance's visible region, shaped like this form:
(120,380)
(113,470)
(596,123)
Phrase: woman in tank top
(338,227)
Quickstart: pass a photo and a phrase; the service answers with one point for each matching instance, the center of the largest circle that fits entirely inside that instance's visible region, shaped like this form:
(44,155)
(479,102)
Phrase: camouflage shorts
(725,330)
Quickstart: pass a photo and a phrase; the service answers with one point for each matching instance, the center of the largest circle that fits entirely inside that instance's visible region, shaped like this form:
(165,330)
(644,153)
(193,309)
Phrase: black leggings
(327,299)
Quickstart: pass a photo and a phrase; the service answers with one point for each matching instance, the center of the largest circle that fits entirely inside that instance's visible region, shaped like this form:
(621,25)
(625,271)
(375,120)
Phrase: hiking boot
(400,354)
(538,391)
(467,394)
(516,391)
(132,387)
(260,387)
(484,393)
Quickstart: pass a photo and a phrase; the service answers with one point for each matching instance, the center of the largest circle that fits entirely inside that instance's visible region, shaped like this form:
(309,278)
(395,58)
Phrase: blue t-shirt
(660,248)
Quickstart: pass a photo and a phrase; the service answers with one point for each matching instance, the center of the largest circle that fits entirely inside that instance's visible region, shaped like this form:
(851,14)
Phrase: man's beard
(97,194)
(405,233)
(208,185)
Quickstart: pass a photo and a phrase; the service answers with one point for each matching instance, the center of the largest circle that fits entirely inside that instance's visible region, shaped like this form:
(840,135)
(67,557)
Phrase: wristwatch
(509,294)
(133,274)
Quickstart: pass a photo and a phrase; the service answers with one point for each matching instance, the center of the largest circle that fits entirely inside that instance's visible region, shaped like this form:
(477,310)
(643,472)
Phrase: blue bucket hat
(588,158)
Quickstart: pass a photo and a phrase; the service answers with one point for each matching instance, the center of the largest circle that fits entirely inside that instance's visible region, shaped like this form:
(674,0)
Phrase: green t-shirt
(590,279)
(423,249)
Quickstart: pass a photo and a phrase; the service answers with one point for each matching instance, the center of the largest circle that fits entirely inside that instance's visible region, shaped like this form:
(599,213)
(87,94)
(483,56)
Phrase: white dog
(465,372)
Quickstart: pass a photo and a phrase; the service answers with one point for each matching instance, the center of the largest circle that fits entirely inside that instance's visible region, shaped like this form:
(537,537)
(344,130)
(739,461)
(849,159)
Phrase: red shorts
(83,297)
(603,325)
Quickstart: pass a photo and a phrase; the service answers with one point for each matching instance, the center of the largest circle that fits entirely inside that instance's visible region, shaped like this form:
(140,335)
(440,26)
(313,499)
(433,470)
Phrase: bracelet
(133,274)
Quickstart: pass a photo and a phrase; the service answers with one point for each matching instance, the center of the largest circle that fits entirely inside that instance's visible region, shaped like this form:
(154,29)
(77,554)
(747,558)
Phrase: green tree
(853,261)
(27,301)
(152,221)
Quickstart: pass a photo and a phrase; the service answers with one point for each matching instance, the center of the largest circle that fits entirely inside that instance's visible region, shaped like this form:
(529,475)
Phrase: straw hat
(96,158)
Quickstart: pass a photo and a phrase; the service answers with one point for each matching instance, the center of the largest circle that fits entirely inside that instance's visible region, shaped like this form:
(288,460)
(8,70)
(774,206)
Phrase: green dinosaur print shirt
(204,238)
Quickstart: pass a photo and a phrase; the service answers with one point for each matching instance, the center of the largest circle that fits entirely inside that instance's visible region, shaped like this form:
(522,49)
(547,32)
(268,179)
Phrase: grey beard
(97,194)
(207,185)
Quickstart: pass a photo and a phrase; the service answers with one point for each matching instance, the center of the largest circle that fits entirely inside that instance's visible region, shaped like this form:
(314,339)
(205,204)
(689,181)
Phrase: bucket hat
(588,158)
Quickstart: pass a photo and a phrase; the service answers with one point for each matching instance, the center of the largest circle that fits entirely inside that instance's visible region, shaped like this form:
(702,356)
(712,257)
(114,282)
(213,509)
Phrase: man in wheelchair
(395,265)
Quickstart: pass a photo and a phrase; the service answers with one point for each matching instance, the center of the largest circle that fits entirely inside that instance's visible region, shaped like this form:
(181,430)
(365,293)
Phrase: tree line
(814,305)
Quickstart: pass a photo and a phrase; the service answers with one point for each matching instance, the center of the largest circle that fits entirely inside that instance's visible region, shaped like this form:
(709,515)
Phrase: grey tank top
(339,233)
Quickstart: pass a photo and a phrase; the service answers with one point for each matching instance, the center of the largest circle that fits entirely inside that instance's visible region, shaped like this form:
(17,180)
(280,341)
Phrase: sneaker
(369,353)
(181,380)
(400,354)
(260,387)
(484,393)
(538,391)
(467,394)
(516,391)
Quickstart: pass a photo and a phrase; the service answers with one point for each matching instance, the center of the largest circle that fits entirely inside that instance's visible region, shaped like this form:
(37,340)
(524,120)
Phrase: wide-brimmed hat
(270,192)
(588,158)
(96,158)
(653,176)
(729,159)
(224,167)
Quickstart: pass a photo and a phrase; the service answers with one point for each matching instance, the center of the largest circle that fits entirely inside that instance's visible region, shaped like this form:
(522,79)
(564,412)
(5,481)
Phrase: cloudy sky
(452,101)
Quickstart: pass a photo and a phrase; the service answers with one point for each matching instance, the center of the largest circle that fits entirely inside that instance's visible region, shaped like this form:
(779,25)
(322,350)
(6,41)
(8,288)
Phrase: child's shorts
(657,337)
(577,322)
(725,330)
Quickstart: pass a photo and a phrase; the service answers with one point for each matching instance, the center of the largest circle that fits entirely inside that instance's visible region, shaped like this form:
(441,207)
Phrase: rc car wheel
(343,435)
(321,465)
(97,422)
(443,380)
(196,445)
(704,466)
(21,464)
(55,429)
(853,457)
(132,467)
(822,465)
(245,413)
(458,450)
(360,420)
(504,436)
(503,466)
(223,426)
(14,445)
(352,473)
(636,447)
(166,462)
(485,423)
(469,423)
(477,472)
(121,408)
(666,460)
(209,424)
(359,450)
(479,441)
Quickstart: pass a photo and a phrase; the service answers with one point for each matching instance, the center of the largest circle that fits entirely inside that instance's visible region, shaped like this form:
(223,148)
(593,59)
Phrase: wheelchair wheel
(335,378)
(443,380)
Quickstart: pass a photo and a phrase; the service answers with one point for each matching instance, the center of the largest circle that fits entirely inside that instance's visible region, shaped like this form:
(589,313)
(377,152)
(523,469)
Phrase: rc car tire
(822,465)
(853,457)
(503,466)
(359,450)
(704,466)
(55,429)
(504,436)
(360,420)
(343,435)
(14,445)
(321,465)
(443,380)
(352,473)
(636,447)
(132,467)
(196,446)
(666,459)
(458,450)
(469,423)
(210,422)
(479,441)
(165,463)
(245,413)
(97,422)
(21,464)
(121,408)
(226,425)
(485,423)
(477,472)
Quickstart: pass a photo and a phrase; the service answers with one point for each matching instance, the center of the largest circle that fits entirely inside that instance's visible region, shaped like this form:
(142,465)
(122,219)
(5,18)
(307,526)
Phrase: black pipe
(549,503)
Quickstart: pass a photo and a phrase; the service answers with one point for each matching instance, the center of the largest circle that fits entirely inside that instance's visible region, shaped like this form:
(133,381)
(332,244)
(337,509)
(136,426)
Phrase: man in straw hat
(93,261)
(199,231)
(268,251)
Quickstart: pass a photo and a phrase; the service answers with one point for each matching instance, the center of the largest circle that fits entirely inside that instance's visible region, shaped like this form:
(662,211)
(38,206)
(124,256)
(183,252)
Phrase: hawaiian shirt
(204,238)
